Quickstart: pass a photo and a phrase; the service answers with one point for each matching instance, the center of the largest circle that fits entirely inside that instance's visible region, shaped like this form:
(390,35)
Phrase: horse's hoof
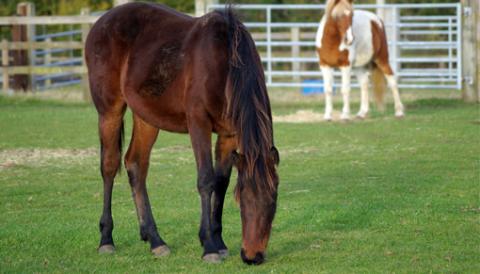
(223,253)
(161,251)
(361,116)
(327,118)
(212,258)
(345,117)
(399,115)
(106,249)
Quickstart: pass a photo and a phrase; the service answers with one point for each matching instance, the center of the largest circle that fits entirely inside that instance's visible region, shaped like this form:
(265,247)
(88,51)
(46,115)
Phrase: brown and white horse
(354,40)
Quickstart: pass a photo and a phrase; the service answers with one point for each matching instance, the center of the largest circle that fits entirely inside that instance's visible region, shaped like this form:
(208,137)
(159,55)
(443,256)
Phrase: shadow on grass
(436,103)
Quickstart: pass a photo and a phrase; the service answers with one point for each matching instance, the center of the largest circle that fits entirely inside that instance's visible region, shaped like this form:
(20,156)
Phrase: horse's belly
(363,54)
(165,112)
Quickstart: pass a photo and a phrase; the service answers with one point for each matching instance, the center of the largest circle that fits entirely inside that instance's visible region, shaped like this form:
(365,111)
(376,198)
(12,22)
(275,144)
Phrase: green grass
(376,196)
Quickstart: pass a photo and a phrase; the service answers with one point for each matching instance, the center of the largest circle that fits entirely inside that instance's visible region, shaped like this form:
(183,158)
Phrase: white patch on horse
(349,38)
(321,27)
(363,45)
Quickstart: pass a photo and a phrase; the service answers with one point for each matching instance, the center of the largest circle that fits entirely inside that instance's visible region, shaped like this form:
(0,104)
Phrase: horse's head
(257,196)
(342,13)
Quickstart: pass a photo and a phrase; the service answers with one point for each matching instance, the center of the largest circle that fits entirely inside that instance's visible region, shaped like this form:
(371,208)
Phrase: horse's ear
(275,155)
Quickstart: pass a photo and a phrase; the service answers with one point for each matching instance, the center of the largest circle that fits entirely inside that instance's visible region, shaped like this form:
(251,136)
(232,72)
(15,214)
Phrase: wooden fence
(471,47)
(7,70)
(85,21)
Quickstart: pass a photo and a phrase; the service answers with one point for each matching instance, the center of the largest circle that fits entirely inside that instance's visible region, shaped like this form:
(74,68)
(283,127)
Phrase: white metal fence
(425,50)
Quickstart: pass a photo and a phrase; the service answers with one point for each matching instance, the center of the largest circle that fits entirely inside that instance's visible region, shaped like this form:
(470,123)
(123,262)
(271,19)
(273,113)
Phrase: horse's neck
(331,34)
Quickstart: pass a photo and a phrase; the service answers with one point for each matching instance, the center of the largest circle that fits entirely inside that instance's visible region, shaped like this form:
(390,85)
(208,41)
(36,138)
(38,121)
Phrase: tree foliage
(68,7)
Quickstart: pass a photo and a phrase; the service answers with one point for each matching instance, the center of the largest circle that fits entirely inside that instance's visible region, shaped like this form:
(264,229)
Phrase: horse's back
(135,48)
(124,27)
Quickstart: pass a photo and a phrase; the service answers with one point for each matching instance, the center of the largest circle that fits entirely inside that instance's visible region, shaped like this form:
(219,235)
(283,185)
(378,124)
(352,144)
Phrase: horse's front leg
(346,72)
(223,169)
(136,163)
(200,134)
(328,84)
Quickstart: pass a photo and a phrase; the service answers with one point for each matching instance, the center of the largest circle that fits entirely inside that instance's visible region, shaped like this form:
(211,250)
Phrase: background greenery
(375,196)
(64,7)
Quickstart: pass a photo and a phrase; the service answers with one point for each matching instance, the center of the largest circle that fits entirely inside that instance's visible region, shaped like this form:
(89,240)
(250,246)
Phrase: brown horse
(185,75)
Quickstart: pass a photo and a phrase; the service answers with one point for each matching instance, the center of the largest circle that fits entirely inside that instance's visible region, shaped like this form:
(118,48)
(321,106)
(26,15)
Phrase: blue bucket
(312,87)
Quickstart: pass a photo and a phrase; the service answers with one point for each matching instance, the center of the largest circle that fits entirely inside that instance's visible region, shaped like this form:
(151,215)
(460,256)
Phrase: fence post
(269,44)
(396,37)
(202,5)
(381,11)
(5,63)
(31,32)
(120,2)
(85,85)
(48,61)
(295,33)
(470,50)
(23,33)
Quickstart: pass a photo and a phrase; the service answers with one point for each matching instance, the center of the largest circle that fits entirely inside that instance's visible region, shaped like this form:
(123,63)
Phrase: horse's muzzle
(258,259)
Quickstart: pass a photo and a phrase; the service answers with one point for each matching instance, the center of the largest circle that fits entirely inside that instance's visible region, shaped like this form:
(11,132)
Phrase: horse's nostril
(258,259)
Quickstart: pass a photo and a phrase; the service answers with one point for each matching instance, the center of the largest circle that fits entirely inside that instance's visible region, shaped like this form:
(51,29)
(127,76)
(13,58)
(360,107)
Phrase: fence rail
(425,51)
(432,43)
(50,63)
(48,20)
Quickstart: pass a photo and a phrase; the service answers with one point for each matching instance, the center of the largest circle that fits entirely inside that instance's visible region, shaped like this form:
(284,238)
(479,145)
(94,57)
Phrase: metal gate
(424,42)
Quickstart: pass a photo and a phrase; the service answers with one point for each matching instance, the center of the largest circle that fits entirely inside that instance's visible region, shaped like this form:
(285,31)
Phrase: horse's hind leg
(346,80)
(136,163)
(362,77)
(392,84)
(111,131)
(223,169)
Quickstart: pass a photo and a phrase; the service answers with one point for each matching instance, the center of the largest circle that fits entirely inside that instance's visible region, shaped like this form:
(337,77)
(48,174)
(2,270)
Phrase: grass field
(374,196)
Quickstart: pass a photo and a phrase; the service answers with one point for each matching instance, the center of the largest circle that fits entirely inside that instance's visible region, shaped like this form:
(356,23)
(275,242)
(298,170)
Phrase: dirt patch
(38,157)
(10,158)
(305,116)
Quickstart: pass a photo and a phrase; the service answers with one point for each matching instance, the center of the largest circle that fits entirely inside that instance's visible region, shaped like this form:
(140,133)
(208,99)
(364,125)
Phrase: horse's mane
(248,106)
(336,8)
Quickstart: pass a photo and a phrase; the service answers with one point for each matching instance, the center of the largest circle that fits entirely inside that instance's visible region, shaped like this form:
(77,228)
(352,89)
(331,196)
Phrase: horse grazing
(186,75)
(354,40)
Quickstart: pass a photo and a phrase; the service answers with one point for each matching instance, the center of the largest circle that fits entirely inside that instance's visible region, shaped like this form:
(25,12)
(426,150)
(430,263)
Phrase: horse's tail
(379,86)
(248,105)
